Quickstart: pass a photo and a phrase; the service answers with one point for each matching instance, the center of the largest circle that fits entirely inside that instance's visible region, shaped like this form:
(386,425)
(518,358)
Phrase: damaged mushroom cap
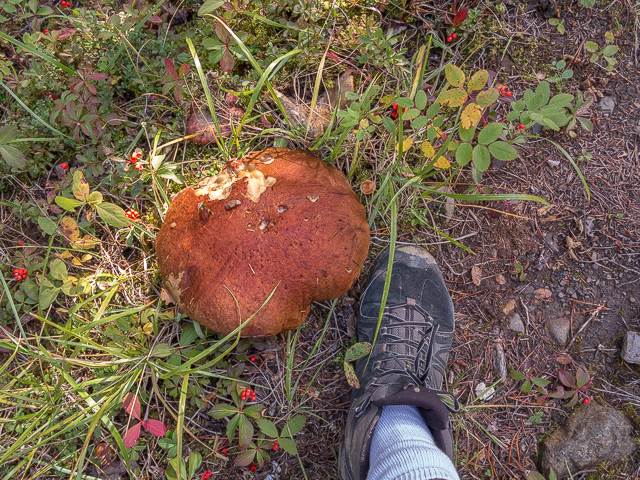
(301,234)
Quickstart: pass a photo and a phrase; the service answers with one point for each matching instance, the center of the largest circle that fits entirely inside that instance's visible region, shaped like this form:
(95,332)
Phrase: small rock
(500,280)
(592,434)
(482,394)
(551,243)
(509,307)
(553,163)
(606,105)
(516,324)
(631,347)
(558,329)
(528,290)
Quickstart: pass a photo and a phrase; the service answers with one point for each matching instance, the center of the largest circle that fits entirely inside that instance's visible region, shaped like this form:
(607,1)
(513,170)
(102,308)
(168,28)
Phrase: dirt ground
(576,262)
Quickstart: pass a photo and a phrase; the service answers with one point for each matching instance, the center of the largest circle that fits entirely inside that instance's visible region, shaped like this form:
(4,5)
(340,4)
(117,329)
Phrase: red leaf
(98,76)
(131,436)
(184,69)
(132,405)
(221,32)
(227,62)
(170,68)
(583,378)
(155,19)
(154,426)
(66,32)
(460,16)
(566,378)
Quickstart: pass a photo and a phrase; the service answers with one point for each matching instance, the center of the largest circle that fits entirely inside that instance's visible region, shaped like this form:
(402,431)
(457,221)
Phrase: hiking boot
(408,360)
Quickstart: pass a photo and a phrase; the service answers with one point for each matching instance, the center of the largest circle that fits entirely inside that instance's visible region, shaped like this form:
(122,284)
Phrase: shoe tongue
(371,306)
(431,407)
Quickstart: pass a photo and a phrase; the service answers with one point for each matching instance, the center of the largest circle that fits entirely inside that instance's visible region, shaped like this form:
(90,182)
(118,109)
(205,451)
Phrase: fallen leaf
(500,280)
(443,164)
(564,359)
(542,293)
(476,275)
(317,121)
(509,307)
(166,297)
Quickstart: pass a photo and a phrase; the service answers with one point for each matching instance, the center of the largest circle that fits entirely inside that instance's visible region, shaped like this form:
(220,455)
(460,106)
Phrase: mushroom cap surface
(304,240)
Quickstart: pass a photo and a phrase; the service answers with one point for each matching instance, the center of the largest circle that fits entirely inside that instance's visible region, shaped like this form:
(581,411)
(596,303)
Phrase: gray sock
(402,448)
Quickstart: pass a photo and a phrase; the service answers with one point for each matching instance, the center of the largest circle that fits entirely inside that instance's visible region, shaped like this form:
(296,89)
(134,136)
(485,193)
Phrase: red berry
(64,165)
(206,475)
(253,399)
(503,88)
(15,271)
(508,93)
(521,127)
(454,36)
(276,447)
(586,401)
(20,244)
(224,450)
(253,359)
(449,39)
(138,167)
(46,31)
(134,159)
(253,468)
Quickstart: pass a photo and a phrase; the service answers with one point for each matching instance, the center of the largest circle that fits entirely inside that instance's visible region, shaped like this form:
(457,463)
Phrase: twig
(584,325)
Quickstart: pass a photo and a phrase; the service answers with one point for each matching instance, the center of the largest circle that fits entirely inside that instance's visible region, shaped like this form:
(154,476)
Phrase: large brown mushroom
(282,222)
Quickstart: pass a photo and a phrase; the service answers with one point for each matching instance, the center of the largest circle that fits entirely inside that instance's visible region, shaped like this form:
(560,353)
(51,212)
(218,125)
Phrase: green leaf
(94,198)
(8,133)
(561,100)
(388,124)
(467,134)
(490,133)
(112,214)
(48,296)
(481,158)
(294,425)
(513,115)
(535,476)
(43,11)
(544,90)
(582,377)
(267,427)
(420,100)
(454,75)
(610,50)
(195,460)
(245,458)
(517,375)
(404,102)
(13,156)
(503,151)
(433,110)
(454,97)
(487,97)
(588,3)
(540,382)
(254,411)
(161,350)
(288,446)
(586,124)
(222,410)
(419,123)
(567,74)
(47,225)
(245,432)
(188,335)
(463,153)
(68,204)
(591,46)
(210,6)
(80,186)
(58,270)
(526,387)
(357,351)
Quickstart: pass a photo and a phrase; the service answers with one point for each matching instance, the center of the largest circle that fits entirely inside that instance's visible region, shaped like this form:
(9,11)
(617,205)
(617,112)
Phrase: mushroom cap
(304,240)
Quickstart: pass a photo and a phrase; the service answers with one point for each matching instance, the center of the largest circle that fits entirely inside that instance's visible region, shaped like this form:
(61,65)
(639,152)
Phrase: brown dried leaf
(500,280)
(166,297)
(564,359)
(542,293)
(476,275)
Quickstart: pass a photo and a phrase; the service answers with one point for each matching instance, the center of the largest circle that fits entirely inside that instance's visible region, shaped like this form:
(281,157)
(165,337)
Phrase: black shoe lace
(417,377)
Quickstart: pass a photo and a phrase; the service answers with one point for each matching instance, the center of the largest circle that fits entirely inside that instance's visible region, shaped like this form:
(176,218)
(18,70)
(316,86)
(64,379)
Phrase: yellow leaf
(439,132)
(470,116)
(147,328)
(87,242)
(69,228)
(427,149)
(76,262)
(64,255)
(442,163)
(406,144)
(86,257)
